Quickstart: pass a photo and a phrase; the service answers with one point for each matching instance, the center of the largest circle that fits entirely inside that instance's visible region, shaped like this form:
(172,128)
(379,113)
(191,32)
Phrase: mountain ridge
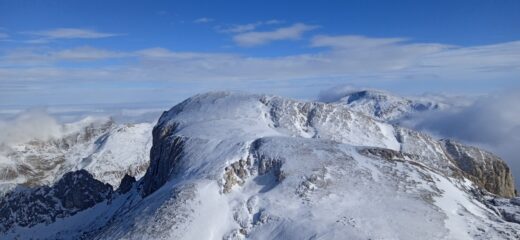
(106,149)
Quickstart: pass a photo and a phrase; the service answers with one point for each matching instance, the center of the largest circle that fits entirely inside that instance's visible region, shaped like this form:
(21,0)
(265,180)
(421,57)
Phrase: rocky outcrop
(255,164)
(383,153)
(74,192)
(126,184)
(235,174)
(486,170)
(164,155)
(483,168)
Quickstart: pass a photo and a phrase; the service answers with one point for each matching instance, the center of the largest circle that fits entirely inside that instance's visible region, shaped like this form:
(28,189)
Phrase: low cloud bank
(29,125)
(491,122)
(46,123)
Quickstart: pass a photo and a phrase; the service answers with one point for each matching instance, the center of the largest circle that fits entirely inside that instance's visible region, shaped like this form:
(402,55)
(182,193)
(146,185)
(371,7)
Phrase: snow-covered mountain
(240,166)
(386,106)
(102,147)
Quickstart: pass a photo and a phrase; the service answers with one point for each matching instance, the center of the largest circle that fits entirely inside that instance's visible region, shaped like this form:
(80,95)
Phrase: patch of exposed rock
(484,168)
(235,174)
(383,153)
(74,192)
(256,163)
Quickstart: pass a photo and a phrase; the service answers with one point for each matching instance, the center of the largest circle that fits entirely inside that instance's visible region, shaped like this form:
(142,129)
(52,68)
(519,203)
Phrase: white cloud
(383,58)
(273,21)
(203,20)
(35,57)
(492,120)
(70,33)
(46,36)
(355,58)
(29,125)
(87,53)
(384,54)
(352,41)
(240,28)
(294,32)
(163,54)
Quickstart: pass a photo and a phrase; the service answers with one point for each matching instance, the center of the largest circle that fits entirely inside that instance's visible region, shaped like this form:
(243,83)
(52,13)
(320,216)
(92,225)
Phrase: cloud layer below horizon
(76,70)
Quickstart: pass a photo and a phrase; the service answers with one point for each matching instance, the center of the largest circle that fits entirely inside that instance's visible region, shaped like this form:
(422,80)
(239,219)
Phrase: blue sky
(108,52)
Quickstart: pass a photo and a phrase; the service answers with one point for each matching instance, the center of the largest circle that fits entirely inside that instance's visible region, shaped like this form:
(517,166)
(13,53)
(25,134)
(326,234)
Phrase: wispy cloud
(352,41)
(161,54)
(3,35)
(240,28)
(45,36)
(294,32)
(203,20)
(385,54)
(39,57)
(87,53)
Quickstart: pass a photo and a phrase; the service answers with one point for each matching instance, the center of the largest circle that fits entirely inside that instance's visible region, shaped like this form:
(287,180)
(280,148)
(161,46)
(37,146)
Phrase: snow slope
(240,166)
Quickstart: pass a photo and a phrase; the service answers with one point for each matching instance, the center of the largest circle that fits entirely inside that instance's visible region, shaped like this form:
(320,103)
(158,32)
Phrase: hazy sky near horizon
(116,52)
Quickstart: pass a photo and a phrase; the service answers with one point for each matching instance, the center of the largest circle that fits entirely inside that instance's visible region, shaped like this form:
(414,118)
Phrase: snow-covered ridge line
(282,116)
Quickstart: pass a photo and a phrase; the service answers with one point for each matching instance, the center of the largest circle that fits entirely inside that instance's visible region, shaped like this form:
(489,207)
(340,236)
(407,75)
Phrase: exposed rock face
(126,184)
(75,192)
(164,156)
(484,168)
(508,208)
(383,153)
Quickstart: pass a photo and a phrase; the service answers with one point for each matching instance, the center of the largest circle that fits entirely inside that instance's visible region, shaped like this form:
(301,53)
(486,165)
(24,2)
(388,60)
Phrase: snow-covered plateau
(226,165)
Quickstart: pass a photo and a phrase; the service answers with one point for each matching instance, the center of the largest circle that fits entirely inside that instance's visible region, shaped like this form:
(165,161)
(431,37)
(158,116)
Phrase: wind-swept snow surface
(240,166)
